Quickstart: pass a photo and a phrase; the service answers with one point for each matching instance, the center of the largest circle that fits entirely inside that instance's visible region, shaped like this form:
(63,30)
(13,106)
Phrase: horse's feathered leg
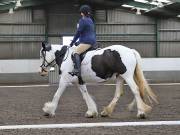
(131,105)
(118,92)
(50,107)
(141,106)
(92,109)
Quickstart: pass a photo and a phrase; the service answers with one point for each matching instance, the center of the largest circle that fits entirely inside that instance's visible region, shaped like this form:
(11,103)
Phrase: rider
(87,37)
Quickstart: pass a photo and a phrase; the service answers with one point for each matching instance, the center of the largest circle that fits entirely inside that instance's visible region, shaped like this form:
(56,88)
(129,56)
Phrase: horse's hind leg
(131,105)
(107,111)
(92,109)
(141,106)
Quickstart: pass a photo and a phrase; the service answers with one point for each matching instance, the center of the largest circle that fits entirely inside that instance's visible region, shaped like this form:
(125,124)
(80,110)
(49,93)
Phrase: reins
(45,61)
(67,53)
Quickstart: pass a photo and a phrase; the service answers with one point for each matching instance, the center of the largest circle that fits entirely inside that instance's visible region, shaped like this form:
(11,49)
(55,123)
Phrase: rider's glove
(71,44)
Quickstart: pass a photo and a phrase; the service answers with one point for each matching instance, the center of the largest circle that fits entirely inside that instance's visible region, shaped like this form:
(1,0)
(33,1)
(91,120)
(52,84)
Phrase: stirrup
(75,72)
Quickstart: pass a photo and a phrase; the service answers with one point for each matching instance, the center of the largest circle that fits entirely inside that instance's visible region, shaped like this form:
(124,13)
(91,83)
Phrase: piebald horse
(115,62)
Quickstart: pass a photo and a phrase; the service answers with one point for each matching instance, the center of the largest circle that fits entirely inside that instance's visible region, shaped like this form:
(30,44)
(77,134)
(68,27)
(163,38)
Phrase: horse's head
(47,58)
(51,55)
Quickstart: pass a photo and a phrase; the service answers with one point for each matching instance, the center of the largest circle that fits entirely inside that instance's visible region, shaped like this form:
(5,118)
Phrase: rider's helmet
(85,9)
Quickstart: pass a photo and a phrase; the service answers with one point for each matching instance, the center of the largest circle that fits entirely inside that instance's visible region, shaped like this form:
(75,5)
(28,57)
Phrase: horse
(116,62)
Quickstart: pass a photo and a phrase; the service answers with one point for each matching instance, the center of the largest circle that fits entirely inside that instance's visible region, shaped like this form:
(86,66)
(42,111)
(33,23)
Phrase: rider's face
(82,14)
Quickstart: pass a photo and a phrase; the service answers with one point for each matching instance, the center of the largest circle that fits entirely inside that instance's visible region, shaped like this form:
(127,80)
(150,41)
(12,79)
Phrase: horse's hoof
(48,109)
(48,115)
(91,114)
(141,116)
(88,116)
(104,114)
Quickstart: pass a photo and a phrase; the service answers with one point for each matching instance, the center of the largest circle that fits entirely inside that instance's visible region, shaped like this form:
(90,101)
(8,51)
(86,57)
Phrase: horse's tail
(144,88)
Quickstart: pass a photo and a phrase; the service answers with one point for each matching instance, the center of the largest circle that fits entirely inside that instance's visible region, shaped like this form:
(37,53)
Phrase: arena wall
(21,33)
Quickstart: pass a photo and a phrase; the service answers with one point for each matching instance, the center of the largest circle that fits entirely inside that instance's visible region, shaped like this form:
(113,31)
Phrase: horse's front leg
(92,109)
(107,111)
(50,107)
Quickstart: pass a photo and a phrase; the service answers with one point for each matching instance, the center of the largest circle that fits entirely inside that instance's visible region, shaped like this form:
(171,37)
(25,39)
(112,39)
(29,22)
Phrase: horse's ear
(44,45)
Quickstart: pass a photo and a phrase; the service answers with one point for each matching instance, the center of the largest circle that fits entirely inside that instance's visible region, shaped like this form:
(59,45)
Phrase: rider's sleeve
(78,32)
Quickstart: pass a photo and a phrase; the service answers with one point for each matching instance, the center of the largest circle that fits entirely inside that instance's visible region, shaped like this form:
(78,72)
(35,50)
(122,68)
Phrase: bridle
(45,63)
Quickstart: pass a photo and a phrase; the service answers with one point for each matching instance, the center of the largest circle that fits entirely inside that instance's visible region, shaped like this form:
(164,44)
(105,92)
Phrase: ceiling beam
(161,13)
(25,3)
(4,1)
(141,5)
(113,3)
(170,10)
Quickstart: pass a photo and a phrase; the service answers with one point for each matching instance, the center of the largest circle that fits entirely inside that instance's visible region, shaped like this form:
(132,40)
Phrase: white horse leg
(107,111)
(141,106)
(50,107)
(92,109)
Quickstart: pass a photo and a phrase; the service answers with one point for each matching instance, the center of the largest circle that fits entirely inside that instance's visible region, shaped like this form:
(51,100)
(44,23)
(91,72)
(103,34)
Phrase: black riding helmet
(85,9)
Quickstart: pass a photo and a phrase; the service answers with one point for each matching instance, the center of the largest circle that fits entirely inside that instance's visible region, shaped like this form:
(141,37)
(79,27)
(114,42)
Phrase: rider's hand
(77,43)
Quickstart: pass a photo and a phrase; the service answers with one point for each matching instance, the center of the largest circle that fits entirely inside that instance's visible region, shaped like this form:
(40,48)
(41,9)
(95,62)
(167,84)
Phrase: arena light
(127,6)
(18,4)
(142,1)
(157,3)
(160,4)
(138,11)
(165,1)
(133,7)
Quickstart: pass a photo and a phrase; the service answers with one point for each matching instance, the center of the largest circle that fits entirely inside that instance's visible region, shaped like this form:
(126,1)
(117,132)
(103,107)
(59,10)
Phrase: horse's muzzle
(43,71)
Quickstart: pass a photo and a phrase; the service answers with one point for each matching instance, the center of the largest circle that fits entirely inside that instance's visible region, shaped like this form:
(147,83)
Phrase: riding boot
(77,65)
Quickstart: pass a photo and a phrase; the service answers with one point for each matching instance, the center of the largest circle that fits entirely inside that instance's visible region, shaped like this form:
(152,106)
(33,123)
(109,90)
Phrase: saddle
(84,53)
